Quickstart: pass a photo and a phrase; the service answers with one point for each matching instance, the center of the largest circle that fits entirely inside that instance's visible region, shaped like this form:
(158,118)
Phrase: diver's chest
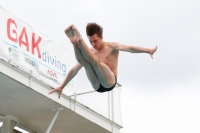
(104,54)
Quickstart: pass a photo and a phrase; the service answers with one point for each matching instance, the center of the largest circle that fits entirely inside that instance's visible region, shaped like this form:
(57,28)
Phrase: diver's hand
(58,89)
(152,51)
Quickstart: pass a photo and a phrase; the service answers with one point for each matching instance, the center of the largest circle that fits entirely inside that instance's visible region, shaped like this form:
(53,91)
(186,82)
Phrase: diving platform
(25,102)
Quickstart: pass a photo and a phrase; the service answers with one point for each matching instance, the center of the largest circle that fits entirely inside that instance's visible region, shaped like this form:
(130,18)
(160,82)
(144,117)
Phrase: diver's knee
(95,62)
(82,62)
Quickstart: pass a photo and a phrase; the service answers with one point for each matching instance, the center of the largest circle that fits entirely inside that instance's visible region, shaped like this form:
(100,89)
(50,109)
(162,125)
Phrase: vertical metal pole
(75,102)
(9,122)
(109,105)
(6,126)
(112,96)
(52,121)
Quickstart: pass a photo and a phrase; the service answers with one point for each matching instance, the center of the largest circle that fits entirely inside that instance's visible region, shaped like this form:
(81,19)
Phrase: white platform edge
(43,88)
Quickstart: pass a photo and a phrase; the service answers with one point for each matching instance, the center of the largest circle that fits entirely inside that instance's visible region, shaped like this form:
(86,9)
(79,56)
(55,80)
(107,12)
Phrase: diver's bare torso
(108,55)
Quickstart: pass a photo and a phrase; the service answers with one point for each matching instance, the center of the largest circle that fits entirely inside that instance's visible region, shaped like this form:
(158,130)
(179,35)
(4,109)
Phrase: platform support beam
(9,122)
(53,120)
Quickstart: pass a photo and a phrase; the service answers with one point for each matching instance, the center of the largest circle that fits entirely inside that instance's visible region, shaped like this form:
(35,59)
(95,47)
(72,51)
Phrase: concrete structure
(24,101)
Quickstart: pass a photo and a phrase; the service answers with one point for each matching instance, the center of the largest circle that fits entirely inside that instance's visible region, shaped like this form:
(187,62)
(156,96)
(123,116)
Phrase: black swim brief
(103,89)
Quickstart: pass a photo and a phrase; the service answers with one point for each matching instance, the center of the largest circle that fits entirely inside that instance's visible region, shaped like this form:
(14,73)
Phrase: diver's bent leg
(88,68)
(86,52)
(105,75)
(75,38)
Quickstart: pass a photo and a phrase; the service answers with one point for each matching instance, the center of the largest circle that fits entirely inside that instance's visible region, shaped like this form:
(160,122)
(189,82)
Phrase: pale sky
(158,96)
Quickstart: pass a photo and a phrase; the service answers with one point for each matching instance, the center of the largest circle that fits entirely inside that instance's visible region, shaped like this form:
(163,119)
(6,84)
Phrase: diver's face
(95,41)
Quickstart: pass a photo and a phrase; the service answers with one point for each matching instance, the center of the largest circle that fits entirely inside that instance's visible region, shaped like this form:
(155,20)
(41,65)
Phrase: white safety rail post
(9,122)
(112,106)
(75,101)
(109,105)
(53,120)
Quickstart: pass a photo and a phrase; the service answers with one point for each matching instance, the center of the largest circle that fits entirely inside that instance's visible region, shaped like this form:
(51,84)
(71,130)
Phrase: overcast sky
(158,96)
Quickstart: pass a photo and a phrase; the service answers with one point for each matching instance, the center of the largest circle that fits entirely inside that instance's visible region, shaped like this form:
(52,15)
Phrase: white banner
(34,51)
